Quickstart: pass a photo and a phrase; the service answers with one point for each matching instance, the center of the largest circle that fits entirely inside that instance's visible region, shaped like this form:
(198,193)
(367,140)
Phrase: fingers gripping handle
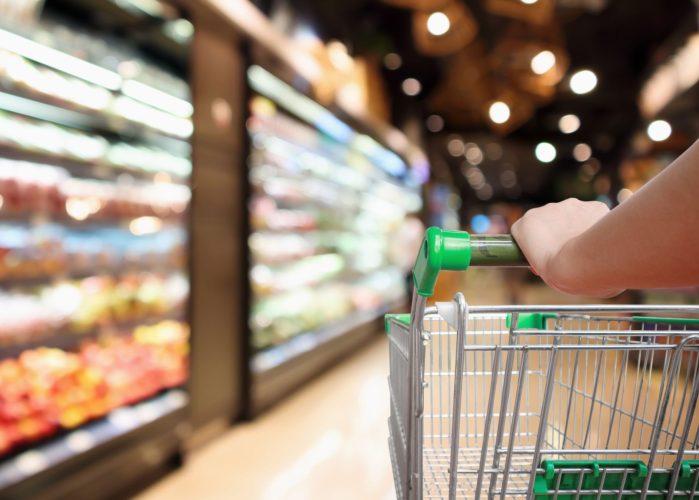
(457,251)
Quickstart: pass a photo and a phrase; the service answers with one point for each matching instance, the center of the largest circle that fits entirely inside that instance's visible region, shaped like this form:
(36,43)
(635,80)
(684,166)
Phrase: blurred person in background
(649,241)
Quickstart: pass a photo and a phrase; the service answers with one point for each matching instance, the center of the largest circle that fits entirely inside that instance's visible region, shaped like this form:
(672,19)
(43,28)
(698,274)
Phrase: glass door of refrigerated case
(327,205)
(94,195)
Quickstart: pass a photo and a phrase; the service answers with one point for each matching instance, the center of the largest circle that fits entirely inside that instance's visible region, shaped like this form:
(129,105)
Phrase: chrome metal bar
(687,425)
(623,483)
(616,396)
(543,418)
(413,485)
(504,402)
(462,311)
(637,395)
(601,308)
(573,378)
(581,476)
(603,333)
(598,363)
(569,347)
(695,481)
(600,451)
(559,478)
(488,420)
(601,484)
(514,421)
(666,388)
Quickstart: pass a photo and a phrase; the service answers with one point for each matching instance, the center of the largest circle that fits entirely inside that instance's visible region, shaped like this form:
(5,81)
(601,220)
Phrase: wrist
(565,270)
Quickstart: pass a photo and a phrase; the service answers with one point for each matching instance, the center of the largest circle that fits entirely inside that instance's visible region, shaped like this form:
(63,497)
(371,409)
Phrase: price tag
(31,462)
(123,418)
(147,413)
(80,441)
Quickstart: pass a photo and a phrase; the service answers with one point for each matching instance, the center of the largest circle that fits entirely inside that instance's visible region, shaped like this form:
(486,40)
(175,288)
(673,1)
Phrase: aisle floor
(326,441)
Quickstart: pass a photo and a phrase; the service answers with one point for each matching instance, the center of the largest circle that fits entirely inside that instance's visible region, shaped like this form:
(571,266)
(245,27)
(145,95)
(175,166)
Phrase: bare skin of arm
(649,241)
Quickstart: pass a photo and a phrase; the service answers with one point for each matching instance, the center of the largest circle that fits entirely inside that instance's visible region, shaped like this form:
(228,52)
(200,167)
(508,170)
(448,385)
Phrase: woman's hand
(547,237)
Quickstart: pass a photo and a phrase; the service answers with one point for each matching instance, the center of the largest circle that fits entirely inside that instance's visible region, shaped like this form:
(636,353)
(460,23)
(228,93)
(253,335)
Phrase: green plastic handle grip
(458,250)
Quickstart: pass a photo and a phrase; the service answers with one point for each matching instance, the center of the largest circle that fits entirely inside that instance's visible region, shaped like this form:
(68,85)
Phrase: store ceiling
(620,40)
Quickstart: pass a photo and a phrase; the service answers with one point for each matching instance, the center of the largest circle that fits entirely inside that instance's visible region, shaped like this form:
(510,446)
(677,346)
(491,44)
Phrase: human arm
(649,241)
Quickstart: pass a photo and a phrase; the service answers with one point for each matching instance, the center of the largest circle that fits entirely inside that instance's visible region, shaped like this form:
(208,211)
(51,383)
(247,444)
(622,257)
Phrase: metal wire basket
(539,401)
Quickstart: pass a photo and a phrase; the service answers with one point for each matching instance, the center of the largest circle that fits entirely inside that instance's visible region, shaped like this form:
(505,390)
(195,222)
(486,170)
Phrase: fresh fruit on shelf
(27,187)
(104,300)
(93,302)
(50,251)
(24,254)
(45,390)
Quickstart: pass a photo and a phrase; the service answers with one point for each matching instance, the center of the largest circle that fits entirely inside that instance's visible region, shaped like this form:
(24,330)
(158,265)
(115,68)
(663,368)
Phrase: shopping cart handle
(458,250)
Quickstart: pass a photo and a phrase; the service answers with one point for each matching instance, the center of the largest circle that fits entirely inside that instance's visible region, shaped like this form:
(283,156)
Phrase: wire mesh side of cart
(579,403)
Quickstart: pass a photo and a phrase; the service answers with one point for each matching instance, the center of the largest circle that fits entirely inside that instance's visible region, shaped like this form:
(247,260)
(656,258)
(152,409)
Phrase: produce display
(27,135)
(46,390)
(128,93)
(94,191)
(95,302)
(324,216)
(44,189)
(52,251)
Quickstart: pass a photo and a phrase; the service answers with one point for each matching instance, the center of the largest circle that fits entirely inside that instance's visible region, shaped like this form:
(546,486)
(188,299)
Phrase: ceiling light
(392,61)
(475,177)
(499,112)
(438,23)
(569,124)
(659,130)
(411,86)
(529,2)
(543,62)
(455,147)
(582,152)
(434,123)
(583,82)
(473,154)
(545,152)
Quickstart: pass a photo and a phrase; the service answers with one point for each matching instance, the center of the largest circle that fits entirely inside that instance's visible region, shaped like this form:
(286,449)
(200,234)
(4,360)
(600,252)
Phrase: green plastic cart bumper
(667,321)
(403,318)
(608,475)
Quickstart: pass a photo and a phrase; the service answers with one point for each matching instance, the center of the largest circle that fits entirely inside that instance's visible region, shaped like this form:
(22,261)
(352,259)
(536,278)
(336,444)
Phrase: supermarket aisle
(326,441)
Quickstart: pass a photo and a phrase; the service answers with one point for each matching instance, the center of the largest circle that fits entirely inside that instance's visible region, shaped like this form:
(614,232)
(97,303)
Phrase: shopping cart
(539,402)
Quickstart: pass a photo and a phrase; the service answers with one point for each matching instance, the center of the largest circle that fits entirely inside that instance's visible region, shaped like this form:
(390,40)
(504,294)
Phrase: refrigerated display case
(94,196)
(327,202)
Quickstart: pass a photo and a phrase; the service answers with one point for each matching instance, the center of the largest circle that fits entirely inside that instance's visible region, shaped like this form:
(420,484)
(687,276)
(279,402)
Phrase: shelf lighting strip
(307,109)
(94,74)
(58,60)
